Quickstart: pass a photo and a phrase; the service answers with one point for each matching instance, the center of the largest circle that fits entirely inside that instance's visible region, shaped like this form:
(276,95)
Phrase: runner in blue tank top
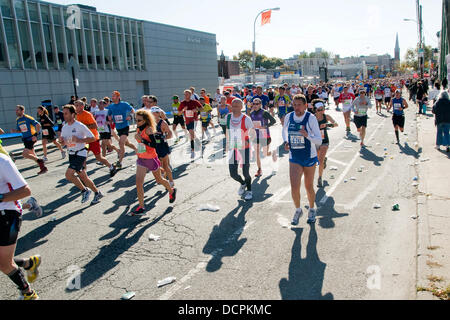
(398,116)
(301,135)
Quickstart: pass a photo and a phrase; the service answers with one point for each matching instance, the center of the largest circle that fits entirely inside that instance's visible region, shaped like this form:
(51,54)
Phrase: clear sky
(345,27)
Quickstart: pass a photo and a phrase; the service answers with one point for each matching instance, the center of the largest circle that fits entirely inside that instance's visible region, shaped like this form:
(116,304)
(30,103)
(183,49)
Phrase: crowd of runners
(245,117)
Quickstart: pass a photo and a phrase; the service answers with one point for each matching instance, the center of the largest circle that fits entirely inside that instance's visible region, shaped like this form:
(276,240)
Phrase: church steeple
(397,49)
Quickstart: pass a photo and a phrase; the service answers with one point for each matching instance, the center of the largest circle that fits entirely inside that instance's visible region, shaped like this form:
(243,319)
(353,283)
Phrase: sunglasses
(320,109)
(139,120)
(256,103)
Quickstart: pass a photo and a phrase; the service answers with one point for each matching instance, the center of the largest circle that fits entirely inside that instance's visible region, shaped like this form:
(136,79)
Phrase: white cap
(155,109)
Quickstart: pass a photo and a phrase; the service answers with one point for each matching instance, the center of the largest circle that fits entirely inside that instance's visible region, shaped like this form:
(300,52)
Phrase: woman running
(222,110)
(48,133)
(148,158)
(324,121)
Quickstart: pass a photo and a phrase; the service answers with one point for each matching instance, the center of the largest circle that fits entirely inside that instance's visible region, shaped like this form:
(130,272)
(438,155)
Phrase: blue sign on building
(276,75)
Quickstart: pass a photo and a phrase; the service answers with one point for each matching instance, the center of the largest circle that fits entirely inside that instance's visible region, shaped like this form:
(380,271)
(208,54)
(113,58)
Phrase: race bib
(397,106)
(223,121)
(203,114)
(347,102)
(297,140)
(69,143)
(377,96)
(323,133)
(118,118)
(23,128)
(101,129)
(58,121)
(281,103)
(175,110)
(235,139)
(257,124)
(189,113)
(45,132)
(362,112)
(141,148)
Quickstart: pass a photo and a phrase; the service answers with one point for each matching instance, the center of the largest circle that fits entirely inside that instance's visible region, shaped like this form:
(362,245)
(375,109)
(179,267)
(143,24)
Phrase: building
(227,68)
(444,41)
(136,57)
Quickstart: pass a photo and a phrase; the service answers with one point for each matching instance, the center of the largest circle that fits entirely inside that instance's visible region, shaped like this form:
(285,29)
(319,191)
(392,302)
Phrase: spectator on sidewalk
(444,83)
(441,109)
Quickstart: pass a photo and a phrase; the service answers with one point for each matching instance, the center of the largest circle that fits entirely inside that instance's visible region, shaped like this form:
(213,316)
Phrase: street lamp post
(254,38)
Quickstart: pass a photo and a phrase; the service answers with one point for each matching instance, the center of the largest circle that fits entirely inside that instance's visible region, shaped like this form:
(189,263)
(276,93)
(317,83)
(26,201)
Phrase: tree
(411,57)
(246,59)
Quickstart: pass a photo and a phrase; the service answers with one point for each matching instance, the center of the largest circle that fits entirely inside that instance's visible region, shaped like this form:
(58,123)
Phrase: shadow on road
(327,212)
(409,151)
(224,238)
(106,259)
(305,275)
(368,155)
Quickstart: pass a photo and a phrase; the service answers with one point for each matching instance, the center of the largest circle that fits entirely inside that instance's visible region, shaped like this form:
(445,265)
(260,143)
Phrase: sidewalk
(433,211)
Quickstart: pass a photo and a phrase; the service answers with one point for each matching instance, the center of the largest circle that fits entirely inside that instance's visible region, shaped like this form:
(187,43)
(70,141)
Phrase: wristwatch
(1,197)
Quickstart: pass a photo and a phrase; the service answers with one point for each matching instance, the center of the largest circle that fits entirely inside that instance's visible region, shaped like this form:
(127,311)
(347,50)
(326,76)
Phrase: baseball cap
(175,97)
(155,109)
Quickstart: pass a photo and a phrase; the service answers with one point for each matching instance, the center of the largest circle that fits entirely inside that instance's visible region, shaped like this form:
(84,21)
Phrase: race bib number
(281,103)
(235,139)
(257,124)
(397,106)
(322,132)
(297,141)
(141,148)
(101,129)
(362,112)
(23,128)
(45,132)
(58,121)
(70,143)
(378,96)
(175,110)
(203,114)
(347,102)
(223,121)
(118,118)
(189,113)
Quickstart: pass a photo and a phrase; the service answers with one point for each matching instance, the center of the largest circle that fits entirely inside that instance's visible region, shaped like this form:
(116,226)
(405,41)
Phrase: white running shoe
(248,195)
(85,195)
(297,215)
(44,159)
(63,154)
(312,215)
(171,184)
(241,190)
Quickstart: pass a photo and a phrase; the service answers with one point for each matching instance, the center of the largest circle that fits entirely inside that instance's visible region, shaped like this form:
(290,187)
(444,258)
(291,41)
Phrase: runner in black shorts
(178,119)
(59,119)
(398,116)
(48,133)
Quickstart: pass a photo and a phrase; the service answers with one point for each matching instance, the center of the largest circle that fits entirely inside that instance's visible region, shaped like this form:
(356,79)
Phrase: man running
(336,93)
(346,98)
(259,95)
(359,107)
(88,120)
(301,135)
(120,113)
(379,94)
(178,119)
(104,129)
(59,119)
(191,109)
(239,132)
(282,102)
(75,136)
(205,116)
(13,188)
(398,116)
(29,128)
(48,133)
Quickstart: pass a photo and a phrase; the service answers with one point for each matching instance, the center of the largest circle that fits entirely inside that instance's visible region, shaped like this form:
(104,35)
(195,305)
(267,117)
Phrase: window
(94,22)
(119,25)
(6,8)
(2,53)
(49,45)
(98,49)
(32,10)
(60,44)
(70,52)
(24,42)
(20,9)
(141,47)
(79,48)
(103,23)
(135,50)
(45,14)
(36,35)
(122,52)
(89,52)
(11,40)
(106,47)
(56,16)
(114,50)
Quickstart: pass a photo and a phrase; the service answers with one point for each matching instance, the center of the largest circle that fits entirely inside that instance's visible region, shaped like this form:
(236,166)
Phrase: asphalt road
(246,250)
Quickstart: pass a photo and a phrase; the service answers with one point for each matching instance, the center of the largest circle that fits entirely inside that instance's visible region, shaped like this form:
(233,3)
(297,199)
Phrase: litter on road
(153,237)
(333,168)
(166,281)
(395,207)
(208,207)
(353,178)
(128,296)
(376,206)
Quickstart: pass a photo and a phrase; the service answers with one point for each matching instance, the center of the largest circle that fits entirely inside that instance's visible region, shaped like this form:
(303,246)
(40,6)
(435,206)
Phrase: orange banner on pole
(265,17)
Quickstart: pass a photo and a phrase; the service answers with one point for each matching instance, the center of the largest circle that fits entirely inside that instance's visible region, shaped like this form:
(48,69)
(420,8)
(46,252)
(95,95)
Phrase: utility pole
(421,54)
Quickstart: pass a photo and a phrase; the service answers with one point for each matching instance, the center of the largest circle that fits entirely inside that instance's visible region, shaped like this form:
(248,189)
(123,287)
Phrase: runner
(346,98)
(271,96)
(148,159)
(301,135)
(398,116)
(282,102)
(162,134)
(222,110)
(119,112)
(310,96)
(324,121)
(205,116)
(111,123)
(322,94)
(239,131)
(336,95)
(104,129)
(75,136)
(48,133)
(387,95)
(259,95)
(88,120)
(379,95)
(29,129)
(13,187)
(59,119)
(359,107)
(262,120)
(190,108)
(178,119)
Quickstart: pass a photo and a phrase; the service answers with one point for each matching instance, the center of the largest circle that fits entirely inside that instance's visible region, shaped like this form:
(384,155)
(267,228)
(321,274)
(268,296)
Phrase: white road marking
(201,265)
(337,161)
(346,170)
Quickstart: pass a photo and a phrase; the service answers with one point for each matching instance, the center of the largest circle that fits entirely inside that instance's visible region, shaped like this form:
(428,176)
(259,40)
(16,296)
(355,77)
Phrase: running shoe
(112,171)
(35,208)
(85,195)
(311,215)
(43,170)
(298,213)
(319,182)
(241,190)
(45,159)
(33,272)
(97,198)
(258,173)
(171,184)
(248,195)
(29,296)
(63,154)
(118,165)
(139,211)
(173,196)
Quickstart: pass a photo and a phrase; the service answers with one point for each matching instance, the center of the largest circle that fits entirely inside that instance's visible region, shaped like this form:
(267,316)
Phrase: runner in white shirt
(75,136)
(13,188)
(104,129)
(94,106)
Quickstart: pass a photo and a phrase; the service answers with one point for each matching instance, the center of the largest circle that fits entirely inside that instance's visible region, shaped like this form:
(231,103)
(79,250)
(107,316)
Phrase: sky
(345,27)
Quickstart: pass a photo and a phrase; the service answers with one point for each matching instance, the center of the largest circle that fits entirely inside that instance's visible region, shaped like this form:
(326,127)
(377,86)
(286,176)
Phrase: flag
(265,17)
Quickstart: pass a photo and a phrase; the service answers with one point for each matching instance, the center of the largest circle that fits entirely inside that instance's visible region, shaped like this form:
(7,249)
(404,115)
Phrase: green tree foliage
(245,61)
(412,60)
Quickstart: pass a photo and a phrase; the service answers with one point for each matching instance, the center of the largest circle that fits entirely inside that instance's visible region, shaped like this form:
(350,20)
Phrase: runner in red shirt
(191,109)
(346,98)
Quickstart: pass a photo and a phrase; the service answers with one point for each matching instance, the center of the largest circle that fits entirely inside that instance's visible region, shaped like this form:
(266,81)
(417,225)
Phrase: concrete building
(136,57)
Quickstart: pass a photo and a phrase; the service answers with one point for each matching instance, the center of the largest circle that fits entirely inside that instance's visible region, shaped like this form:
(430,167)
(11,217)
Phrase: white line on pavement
(337,161)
